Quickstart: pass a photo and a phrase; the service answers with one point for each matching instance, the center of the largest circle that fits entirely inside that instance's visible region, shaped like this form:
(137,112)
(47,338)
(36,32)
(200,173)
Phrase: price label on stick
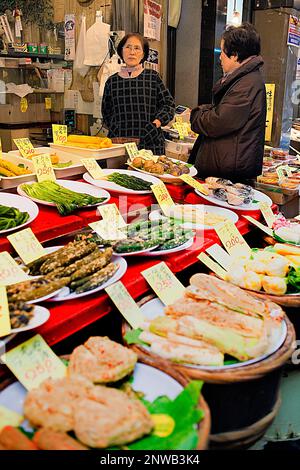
(125,303)
(33,362)
(25,147)
(111,214)
(164,283)
(262,227)
(232,240)
(267,213)
(106,231)
(162,196)
(215,267)
(43,168)
(194,183)
(9,418)
(5,327)
(132,149)
(60,134)
(27,245)
(10,271)
(93,168)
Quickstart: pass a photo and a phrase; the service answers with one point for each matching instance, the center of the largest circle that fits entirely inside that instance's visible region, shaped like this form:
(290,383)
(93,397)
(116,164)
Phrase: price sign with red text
(5,327)
(43,168)
(27,245)
(93,168)
(232,240)
(162,196)
(33,362)
(10,271)
(60,133)
(125,303)
(25,147)
(164,283)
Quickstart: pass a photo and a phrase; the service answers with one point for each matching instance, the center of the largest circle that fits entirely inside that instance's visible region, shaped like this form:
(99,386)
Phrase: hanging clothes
(96,44)
(174,13)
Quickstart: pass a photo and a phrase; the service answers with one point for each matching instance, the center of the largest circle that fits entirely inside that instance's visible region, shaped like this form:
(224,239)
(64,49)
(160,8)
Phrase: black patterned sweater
(130,105)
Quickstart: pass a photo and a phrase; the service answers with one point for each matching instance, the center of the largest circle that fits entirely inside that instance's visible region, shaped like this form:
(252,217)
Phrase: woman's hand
(157,123)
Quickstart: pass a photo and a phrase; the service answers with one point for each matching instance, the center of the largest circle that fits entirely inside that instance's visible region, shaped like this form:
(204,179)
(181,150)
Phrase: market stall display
(24,317)
(166,169)
(16,212)
(123,181)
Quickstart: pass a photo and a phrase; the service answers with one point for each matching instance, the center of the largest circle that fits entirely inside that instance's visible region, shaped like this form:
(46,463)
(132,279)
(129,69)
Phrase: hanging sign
(164,283)
(152,19)
(27,245)
(23,105)
(70,36)
(270,95)
(126,305)
(48,103)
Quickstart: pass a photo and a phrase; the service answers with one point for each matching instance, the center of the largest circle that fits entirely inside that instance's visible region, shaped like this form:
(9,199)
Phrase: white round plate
(253,206)
(76,186)
(155,308)
(116,188)
(230,215)
(140,252)
(66,294)
(182,247)
(40,316)
(165,176)
(21,203)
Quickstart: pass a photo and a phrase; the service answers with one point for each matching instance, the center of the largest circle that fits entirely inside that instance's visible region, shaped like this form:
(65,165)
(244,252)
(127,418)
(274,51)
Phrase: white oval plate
(21,203)
(76,186)
(165,176)
(182,247)
(230,215)
(40,316)
(116,188)
(66,294)
(140,252)
(253,206)
(155,308)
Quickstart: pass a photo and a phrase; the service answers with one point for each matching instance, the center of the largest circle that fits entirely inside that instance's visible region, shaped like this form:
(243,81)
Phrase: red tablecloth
(183,259)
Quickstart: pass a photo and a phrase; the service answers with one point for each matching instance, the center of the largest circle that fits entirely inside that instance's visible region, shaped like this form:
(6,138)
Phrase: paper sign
(5,327)
(194,183)
(25,147)
(48,103)
(164,283)
(231,238)
(33,362)
(23,105)
(281,172)
(111,214)
(9,418)
(265,229)
(43,168)
(27,245)
(93,168)
(163,196)
(132,149)
(125,303)
(107,231)
(216,268)
(220,255)
(60,133)
(10,271)
(267,213)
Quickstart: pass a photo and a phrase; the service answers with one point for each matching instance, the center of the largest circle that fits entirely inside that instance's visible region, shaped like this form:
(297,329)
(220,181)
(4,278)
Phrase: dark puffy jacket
(232,130)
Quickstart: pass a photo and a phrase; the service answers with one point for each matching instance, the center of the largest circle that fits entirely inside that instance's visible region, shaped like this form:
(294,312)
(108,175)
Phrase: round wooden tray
(225,376)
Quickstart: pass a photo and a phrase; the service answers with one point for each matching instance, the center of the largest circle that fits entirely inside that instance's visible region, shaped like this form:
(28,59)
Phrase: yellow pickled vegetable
(87,141)
(14,169)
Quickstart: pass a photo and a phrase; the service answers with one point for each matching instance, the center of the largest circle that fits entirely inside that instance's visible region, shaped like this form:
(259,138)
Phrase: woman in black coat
(232,130)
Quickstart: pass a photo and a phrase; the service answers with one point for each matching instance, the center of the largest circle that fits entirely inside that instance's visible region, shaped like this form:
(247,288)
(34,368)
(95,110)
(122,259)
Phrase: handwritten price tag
(163,196)
(33,362)
(125,303)
(48,103)
(262,227)
(27,245)
(9,418)
(232,240)
(216,268)
(132,149)
(106,231)
(220,255)
(5,327)
(25,147)
(43,168)
(111,214)
(164,283)
(194,183)
(60,133)
(93,168)
(267,213)
(10,271)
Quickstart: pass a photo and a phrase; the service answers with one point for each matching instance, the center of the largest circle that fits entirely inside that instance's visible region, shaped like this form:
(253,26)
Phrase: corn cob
(5,172)
(98,278)
(16,170)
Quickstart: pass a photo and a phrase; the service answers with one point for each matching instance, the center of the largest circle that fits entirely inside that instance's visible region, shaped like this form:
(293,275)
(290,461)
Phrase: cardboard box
(7,136)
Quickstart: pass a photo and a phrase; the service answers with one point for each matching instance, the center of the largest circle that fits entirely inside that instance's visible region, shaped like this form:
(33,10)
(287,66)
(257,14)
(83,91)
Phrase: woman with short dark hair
(232,129)
(136,102)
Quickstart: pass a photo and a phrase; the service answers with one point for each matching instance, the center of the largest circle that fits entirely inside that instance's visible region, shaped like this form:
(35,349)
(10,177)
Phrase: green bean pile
(129,181)
(11,217)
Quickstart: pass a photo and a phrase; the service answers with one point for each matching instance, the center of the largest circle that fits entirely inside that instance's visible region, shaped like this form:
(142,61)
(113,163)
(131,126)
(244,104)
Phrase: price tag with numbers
(93,168)
(215,267)
(106,231)
(125,303)
(25,147)
(164,283)
(194,183)
(10,271)
(60,133)
(27,245)
(43,168)
(111,214)
(267,213)
(232,240)
(162,196)
(9,418)
(132,149)
(5,327)
(33,361)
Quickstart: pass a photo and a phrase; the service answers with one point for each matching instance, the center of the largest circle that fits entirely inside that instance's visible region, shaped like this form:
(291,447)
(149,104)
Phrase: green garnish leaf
(133,337)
